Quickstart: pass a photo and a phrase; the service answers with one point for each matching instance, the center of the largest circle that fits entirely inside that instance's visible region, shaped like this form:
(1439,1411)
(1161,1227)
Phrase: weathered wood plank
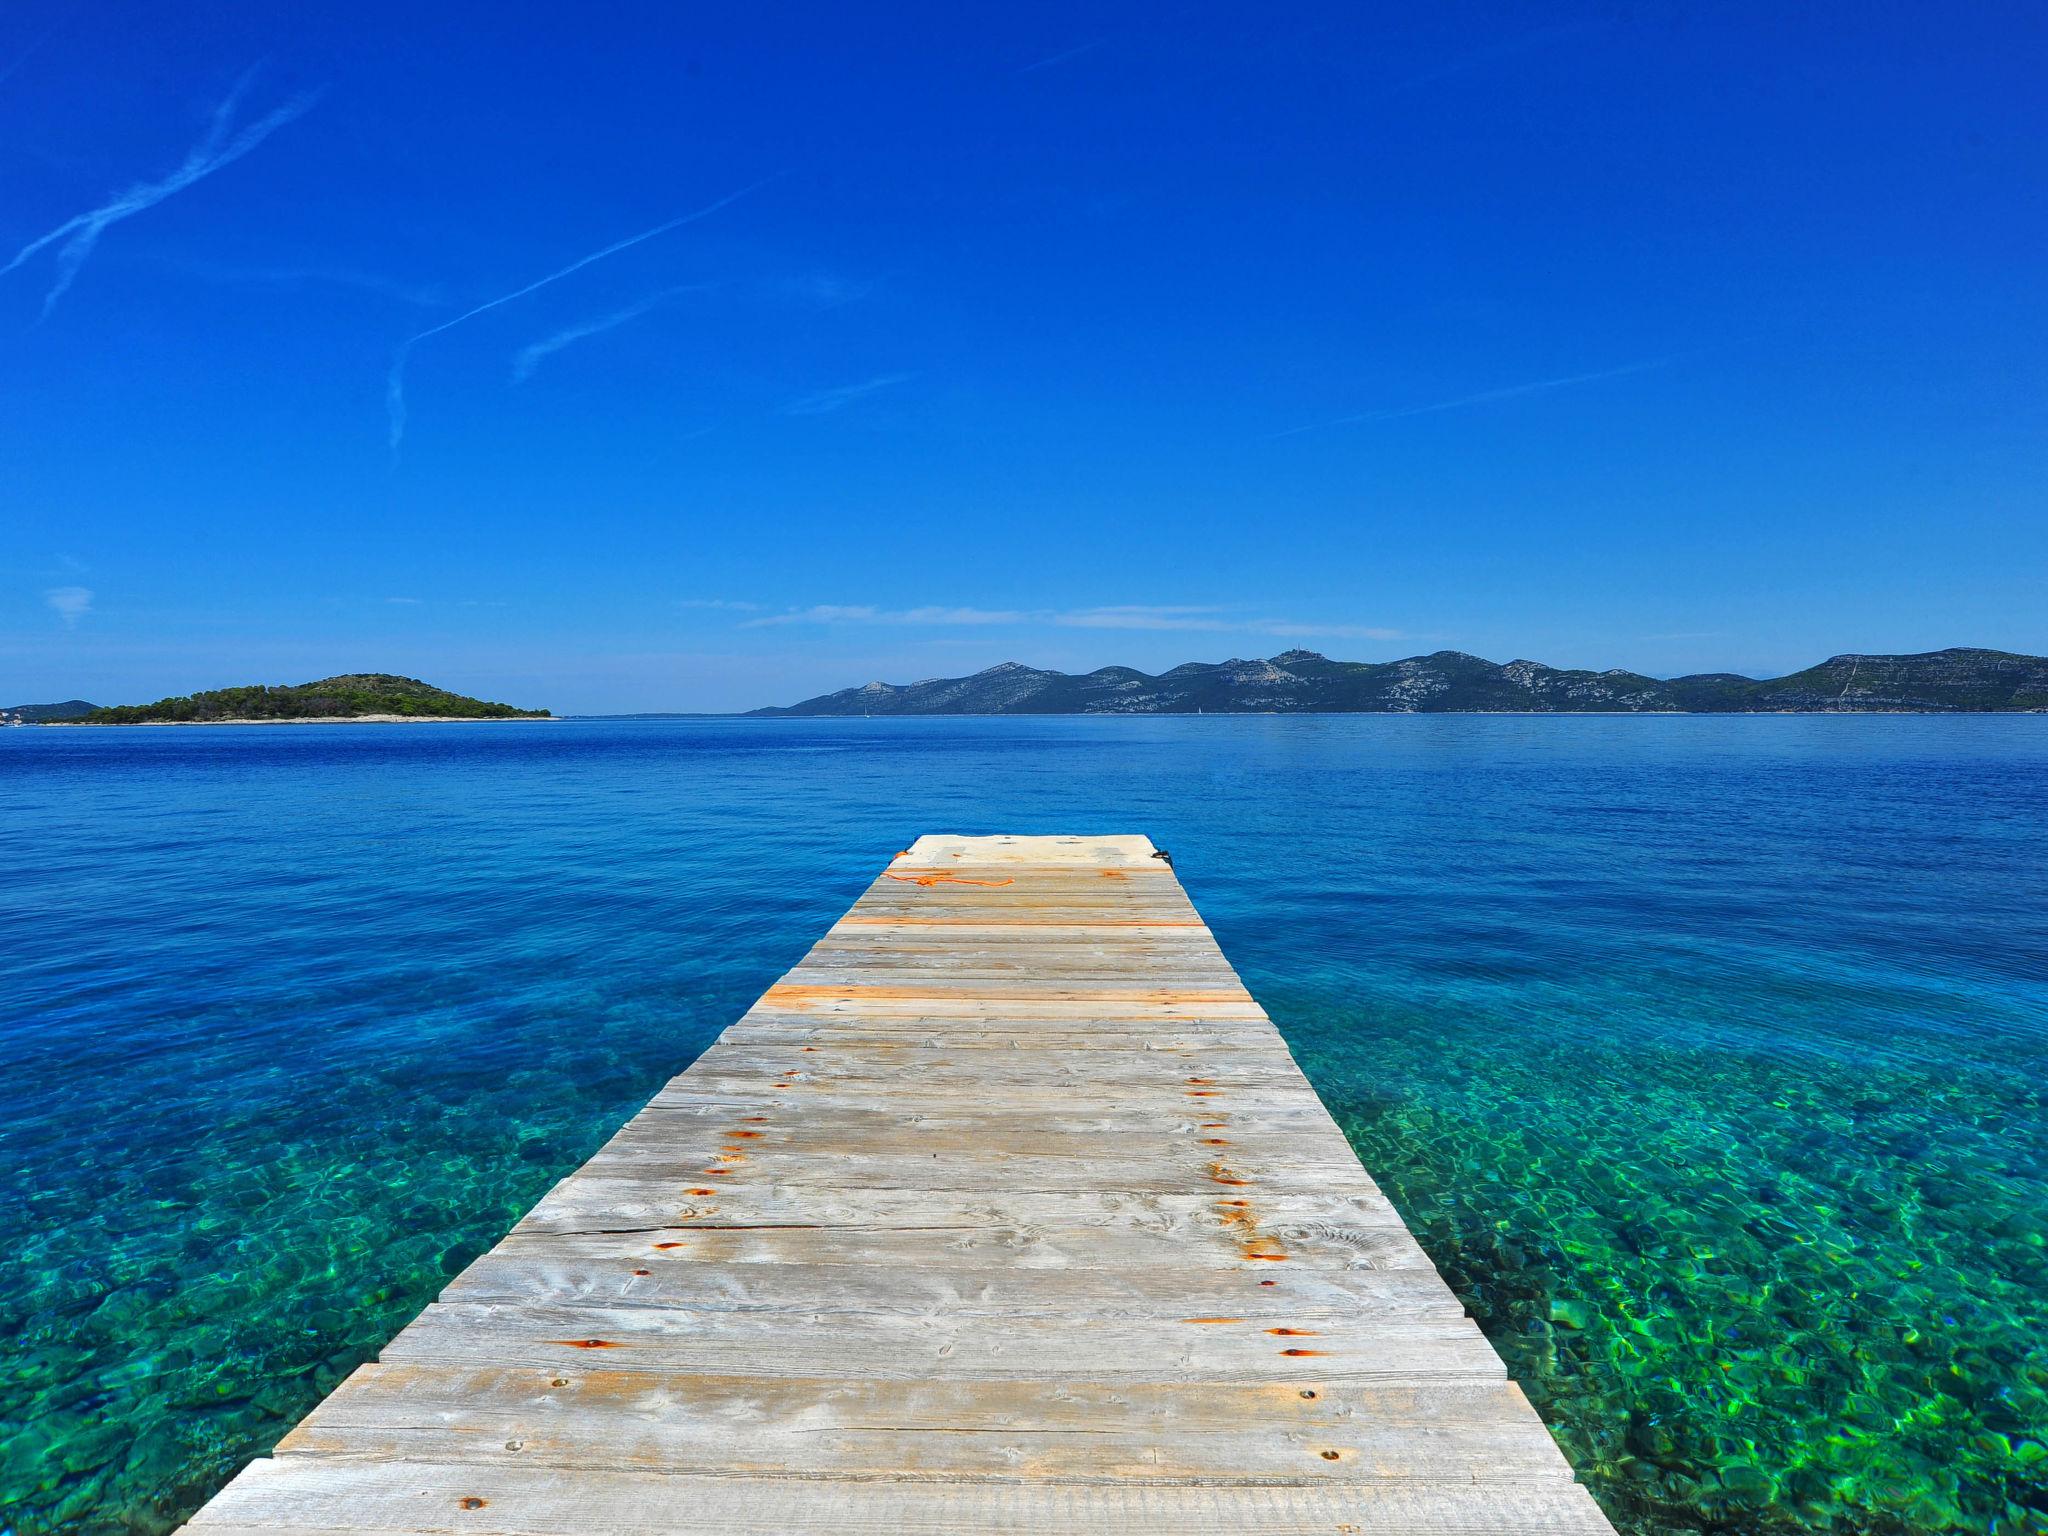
(875,1346)
(1072,1430)
(311,1494)
(1005,1210)
(699,1231)
(642,1269)
(1016,1035)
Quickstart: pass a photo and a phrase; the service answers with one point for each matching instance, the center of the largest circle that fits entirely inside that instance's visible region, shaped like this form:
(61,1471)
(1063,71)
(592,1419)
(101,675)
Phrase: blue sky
(682,357)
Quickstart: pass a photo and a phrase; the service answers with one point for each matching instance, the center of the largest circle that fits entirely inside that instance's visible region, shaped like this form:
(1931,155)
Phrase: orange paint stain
(799,997)
(1013,922)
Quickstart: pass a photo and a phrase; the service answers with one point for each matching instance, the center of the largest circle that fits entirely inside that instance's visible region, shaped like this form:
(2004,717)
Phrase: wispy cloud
(222,145)
(529,358)
(32,49)
(394,384)
(865,613)
(69,603)
(1141,616)
(1483,397)
(724,603)
(825,290)
(828,400)
(1063,55)
(405,602)
(1134,616)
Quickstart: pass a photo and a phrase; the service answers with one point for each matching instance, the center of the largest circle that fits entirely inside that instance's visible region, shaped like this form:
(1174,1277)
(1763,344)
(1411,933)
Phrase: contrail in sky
(1485,395)
(221,146)
(826,401)
(394,387)
(1063,55)
(31,50)
(530,357)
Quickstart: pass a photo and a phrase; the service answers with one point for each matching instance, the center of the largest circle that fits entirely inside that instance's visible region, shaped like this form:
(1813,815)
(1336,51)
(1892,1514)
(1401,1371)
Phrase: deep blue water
(1706,1055)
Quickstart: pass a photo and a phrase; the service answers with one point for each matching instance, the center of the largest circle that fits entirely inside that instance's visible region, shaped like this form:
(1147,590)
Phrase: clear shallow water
(1706,1056)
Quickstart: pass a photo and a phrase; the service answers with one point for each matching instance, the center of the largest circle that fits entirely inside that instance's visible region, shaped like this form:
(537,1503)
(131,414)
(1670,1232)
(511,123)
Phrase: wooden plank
(874,1346)
(1005,1210)
(1074,1430)
(642,1269)
(307,1493)
(1012,1035)
(709,1239)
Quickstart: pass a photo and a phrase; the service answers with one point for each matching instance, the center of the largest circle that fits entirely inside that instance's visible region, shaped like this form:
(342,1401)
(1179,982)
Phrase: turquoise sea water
(1706,1055)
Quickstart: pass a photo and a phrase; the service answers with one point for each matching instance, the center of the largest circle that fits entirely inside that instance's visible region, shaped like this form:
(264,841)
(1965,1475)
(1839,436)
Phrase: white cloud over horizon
(1193,618)
(69,603)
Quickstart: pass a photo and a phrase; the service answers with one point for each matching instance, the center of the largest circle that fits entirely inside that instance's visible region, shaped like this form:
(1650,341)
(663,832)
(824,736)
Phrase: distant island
(1303,682)
(40,714)
(352,696)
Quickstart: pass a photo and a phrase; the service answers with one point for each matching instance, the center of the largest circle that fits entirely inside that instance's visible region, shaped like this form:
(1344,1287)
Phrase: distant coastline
(318,720)
(1328,714)
(1955,681)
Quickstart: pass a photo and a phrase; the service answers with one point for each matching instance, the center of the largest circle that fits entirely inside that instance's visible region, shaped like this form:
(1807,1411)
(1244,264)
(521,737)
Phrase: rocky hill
(345,697)
(36,714)
(1452,681)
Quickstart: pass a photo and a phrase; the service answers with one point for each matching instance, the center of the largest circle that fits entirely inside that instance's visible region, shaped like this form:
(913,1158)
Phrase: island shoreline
(122,725)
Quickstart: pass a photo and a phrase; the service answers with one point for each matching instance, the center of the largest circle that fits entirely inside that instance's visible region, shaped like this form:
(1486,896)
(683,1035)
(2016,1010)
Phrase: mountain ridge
(1960,679)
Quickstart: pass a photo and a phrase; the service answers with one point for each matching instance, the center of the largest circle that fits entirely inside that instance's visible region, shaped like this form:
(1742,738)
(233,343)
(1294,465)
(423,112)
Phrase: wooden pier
(1006,1211)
